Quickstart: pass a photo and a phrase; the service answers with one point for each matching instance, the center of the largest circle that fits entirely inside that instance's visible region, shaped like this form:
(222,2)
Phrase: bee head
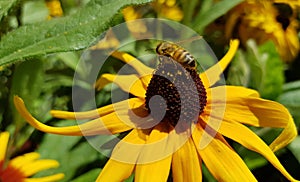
(165,49)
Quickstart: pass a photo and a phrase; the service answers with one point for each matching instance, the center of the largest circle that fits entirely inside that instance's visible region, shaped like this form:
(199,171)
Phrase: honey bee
(177,53)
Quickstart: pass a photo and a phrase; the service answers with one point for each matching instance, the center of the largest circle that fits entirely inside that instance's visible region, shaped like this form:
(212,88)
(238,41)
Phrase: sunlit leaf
(74,32)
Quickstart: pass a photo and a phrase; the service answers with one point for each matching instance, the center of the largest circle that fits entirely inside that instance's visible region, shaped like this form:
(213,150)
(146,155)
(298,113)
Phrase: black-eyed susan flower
(151,149)
(20,168)
(266,20)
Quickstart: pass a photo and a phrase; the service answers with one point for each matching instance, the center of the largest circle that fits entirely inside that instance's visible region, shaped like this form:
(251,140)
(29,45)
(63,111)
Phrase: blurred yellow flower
(266,20)
(20,168)
(237,106)
(161,8)
(55,9)
(137,28)
(168,9)
(108,42)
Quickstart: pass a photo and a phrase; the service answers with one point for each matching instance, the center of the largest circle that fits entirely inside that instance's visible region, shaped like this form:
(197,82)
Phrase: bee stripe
(177,53)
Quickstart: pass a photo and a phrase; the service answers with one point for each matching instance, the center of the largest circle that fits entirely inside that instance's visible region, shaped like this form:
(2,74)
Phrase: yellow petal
(96,113)
(162,142)
(231,102)
(226,101)
(227,93)
(130,147)
(129,83)
(244,106)
(155,171)
(108,124)
(135,63)
(273,114)
(115,171)
(286,136)
(250,140)
(269,113)
(155,158)
(221,160)
(124,157)
(4,137)
(36,166)
(51,178)
(186,164)
(20,161)
(212,75)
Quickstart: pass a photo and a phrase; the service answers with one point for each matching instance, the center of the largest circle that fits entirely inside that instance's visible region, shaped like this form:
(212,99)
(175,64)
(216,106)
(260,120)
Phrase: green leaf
(253,59)
(239,70)
(207,176)
(5,6)
(89,176)
(295,85)
(130,179)
(295,147)
(210,12)
(291,100)
(34,11)
(188,10)
(27,80)
(273,71)
(70,33)
(57,80)
(71,59)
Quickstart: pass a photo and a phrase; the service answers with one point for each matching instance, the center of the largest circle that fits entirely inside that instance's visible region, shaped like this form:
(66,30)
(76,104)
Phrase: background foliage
(39,54)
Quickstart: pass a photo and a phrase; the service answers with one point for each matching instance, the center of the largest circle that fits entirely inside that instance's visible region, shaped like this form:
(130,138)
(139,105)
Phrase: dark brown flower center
(181,94)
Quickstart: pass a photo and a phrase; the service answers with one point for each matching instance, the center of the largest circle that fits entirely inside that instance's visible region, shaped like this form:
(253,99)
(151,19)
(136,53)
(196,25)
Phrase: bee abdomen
(185,58)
